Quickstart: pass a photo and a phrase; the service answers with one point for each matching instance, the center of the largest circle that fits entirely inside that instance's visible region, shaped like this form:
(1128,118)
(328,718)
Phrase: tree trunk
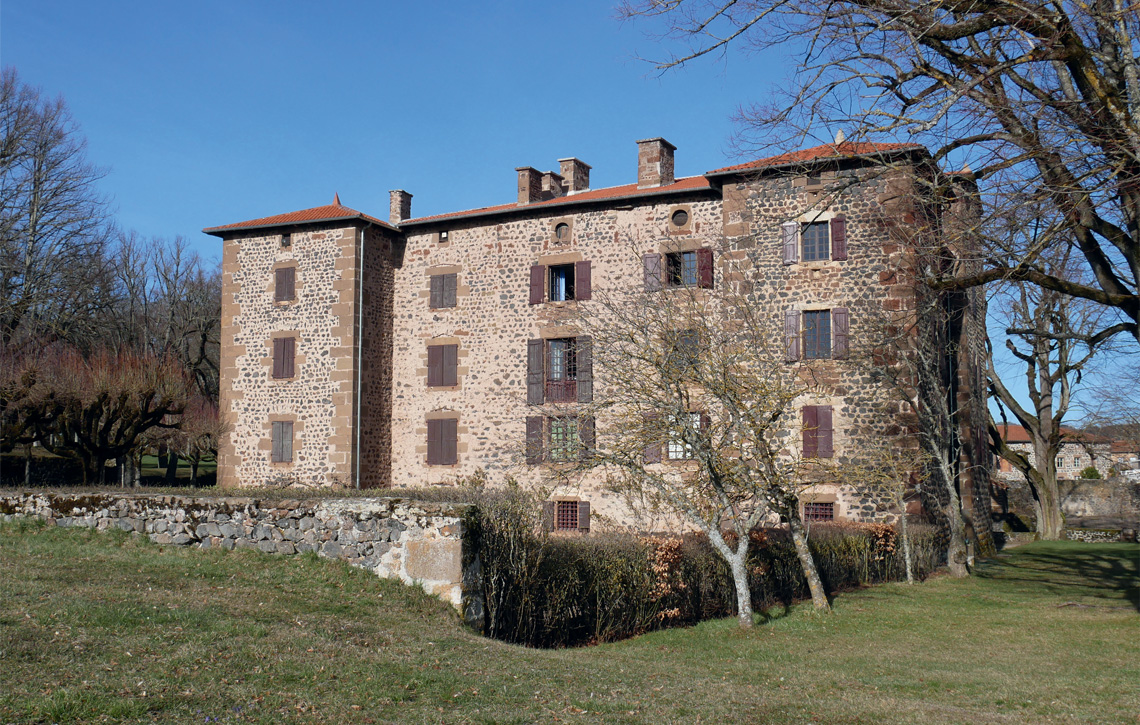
(1050,523)
(956,550)
(194,472)
(807,561)
(171,467)
(908,556)
(28,465)
(743,591)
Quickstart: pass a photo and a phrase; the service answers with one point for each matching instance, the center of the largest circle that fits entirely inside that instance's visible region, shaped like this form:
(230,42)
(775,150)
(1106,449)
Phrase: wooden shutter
(449,365)
(436,300)
(792,335)
(435,366)
(535,372)
(583,289)
(584,356)
(652,452)
(839,323)
(450,284)
(548,509)
(537,283)
(705,268)
(434,452)
(275,446)
(287,441)
(278,357)
(825,433)
(288,357)
(651,264)
(449,441)
(810,431)
(584,516)
(534,439)
(790,234)
(586,436)
(283,284)
(839,238)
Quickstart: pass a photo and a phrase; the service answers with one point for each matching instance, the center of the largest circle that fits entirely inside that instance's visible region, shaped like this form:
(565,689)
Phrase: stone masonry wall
(416,542)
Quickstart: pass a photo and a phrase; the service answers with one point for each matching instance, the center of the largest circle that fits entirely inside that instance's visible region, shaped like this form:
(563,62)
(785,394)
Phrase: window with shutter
(566,516)
(685,428)
(284,357)
(562,370)
(790,237)
(651,266)
(281,450)
(443,290)
(816,242)
(535,372)
(839,238)
(705,268)
(565,443)
(561,282)
(817,431)
(443,442)
(817,334)
(442,365)
(681,269)
(537,283)
(792,335)
(582,281)
(284,284)
(815,511)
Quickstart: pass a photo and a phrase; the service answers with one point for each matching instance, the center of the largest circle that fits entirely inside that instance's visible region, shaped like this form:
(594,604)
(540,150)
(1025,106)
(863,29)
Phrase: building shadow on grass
(1068,570)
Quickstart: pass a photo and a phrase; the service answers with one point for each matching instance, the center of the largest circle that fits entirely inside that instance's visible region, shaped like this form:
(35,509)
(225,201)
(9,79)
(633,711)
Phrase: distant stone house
(373,353)
(1079,450)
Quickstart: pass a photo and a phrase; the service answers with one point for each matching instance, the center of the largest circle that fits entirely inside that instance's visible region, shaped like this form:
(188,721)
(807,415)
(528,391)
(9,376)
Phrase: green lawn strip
(101,626)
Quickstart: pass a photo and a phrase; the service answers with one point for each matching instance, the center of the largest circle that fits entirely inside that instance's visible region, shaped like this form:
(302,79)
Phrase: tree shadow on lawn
(1070,570)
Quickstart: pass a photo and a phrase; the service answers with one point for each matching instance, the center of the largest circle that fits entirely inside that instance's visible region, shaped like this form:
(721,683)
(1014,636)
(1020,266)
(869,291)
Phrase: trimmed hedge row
(562,591)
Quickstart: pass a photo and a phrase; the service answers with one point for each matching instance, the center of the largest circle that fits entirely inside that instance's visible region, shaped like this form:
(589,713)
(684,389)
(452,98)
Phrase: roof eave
(820,159)
(224,230)
(570,202)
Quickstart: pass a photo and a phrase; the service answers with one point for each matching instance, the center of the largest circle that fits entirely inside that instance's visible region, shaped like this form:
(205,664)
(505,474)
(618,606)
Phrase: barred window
(815,511)
(566,515)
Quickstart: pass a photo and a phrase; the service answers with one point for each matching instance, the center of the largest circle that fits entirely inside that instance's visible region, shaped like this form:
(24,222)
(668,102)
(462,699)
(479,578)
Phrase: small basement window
(815,511)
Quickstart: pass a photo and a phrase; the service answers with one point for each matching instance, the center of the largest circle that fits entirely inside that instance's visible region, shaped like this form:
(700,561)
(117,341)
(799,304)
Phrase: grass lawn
(150,467)
(107,627)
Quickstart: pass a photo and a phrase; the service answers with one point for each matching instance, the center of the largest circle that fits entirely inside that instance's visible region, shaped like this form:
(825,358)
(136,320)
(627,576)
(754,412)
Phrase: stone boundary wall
(420,543)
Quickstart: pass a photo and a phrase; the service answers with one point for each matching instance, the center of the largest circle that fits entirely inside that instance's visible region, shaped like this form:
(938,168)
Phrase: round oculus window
(562,233)
(680,218)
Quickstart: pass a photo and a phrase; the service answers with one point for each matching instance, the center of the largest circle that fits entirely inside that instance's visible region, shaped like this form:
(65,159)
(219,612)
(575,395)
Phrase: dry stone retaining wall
(417,542)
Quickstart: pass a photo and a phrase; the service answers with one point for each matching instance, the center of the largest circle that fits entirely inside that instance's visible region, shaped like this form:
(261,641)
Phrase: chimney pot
(530,185)
(575,174)
(654,162)
(552,186)
(399,206)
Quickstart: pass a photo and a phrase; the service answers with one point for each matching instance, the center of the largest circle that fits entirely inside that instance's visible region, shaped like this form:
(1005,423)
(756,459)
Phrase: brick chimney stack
(530,185)
(654,162)
(399,206)
(575,174)
(552,186)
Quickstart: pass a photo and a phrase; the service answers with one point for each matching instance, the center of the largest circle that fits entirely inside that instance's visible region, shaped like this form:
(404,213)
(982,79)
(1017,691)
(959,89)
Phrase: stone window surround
(568,221)
(462,433)
(461,370)
(812,217)
(298,282)
(687,227)
(298,357)
(830,497)
(461,289)
(266,442)
(550,260)
(442,238)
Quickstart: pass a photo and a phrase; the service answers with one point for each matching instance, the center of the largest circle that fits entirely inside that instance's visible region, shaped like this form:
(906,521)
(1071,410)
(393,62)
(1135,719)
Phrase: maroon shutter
(435,366)
(450,283)
(449,441)
(583,288)
(449,370)
(278,357)
(436,299)
(705,268)
(792,335)
(839,324)
(584,516)
(586,435)
(652,452)
(706,423)
(824,435)
(534,439)
(839,238)
(433,452)
(548,509)
(279,290)
(651,264)
(535,372)
(790,235)
(288,356)
(810,431)
(584,357)
(537,282)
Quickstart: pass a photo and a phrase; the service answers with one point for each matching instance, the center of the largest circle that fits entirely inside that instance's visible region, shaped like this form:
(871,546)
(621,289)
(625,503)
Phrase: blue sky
(212,112)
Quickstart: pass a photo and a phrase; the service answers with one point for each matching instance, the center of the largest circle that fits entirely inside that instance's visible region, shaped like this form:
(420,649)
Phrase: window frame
(820,246)
(568,273)
(678,267)
(675,448)
(817,334)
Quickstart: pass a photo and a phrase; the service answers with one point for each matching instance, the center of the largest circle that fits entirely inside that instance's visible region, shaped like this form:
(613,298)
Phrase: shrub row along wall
(416,542)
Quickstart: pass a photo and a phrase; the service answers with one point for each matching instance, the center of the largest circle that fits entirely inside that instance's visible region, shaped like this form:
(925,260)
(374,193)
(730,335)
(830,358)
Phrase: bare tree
(1041,99)
(54,224)
(697,417)
(1054,339)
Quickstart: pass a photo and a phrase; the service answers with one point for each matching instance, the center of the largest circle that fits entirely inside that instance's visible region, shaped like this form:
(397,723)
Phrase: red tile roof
(826,151)
(1018,434)
(631,191)
(331,212)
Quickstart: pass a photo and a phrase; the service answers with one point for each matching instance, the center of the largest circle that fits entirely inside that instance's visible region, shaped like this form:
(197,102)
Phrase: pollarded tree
(1041,98)
(696,412)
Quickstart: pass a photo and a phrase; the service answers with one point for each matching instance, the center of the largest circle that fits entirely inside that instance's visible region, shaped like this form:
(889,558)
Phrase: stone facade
(417,542)
(488,314)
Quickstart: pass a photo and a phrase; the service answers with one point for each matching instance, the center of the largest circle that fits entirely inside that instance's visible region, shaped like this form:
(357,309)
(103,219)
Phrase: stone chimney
(530,185)
(575,174)
(552,186)
(654,162)
(399,206)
